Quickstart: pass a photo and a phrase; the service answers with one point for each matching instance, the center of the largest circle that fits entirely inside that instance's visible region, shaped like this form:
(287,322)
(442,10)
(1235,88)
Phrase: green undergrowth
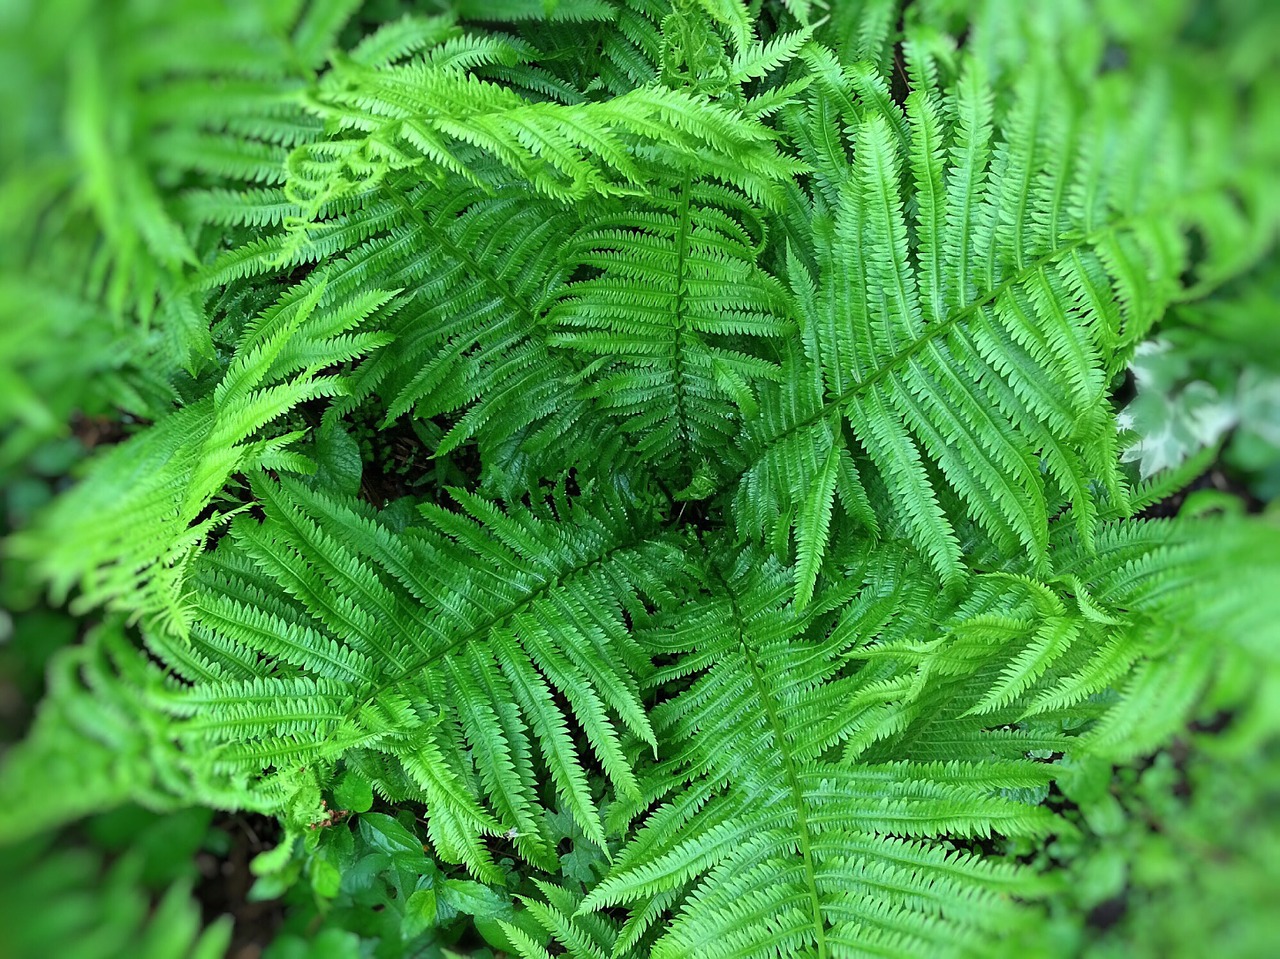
(639,478)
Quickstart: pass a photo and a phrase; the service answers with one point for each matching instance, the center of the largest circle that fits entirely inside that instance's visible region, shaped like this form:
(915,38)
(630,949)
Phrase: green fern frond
(126,536)
(444,644)
(430,114)
(657,318)
(777,850)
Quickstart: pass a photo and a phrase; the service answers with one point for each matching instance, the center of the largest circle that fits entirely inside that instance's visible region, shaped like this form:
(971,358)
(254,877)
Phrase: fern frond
(964,299)
(98,743)
(126,535)
(445,645)
(431,114)
(677,282)
(777,850)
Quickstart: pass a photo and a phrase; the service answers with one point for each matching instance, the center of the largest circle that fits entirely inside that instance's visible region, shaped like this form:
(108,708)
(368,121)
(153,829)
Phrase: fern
(800,852)
(970,366)
(165,481)
(761,525)
(374,635)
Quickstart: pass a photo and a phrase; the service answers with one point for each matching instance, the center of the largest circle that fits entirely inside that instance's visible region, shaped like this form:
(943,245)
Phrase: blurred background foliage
(1175,855)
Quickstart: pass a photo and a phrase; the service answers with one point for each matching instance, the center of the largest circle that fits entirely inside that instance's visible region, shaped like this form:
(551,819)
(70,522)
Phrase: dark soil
(399,462)
(95,431)
(1106,914)
(226,880)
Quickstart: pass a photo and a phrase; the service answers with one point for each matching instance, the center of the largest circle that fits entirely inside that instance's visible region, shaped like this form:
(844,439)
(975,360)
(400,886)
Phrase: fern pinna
(770,533)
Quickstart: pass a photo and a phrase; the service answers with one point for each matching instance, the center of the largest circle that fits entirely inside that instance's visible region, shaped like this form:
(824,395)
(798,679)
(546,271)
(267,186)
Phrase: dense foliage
(644,478)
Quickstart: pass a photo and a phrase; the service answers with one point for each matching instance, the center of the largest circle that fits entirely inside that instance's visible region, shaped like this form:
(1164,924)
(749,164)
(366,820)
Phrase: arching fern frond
(467,340)
(126,535)
(677,282)
(963,321)
(431,114)
(446,643)
(777,846)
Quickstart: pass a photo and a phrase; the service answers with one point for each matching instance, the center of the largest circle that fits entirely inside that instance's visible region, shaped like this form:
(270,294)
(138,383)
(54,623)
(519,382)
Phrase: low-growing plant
(645,475)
